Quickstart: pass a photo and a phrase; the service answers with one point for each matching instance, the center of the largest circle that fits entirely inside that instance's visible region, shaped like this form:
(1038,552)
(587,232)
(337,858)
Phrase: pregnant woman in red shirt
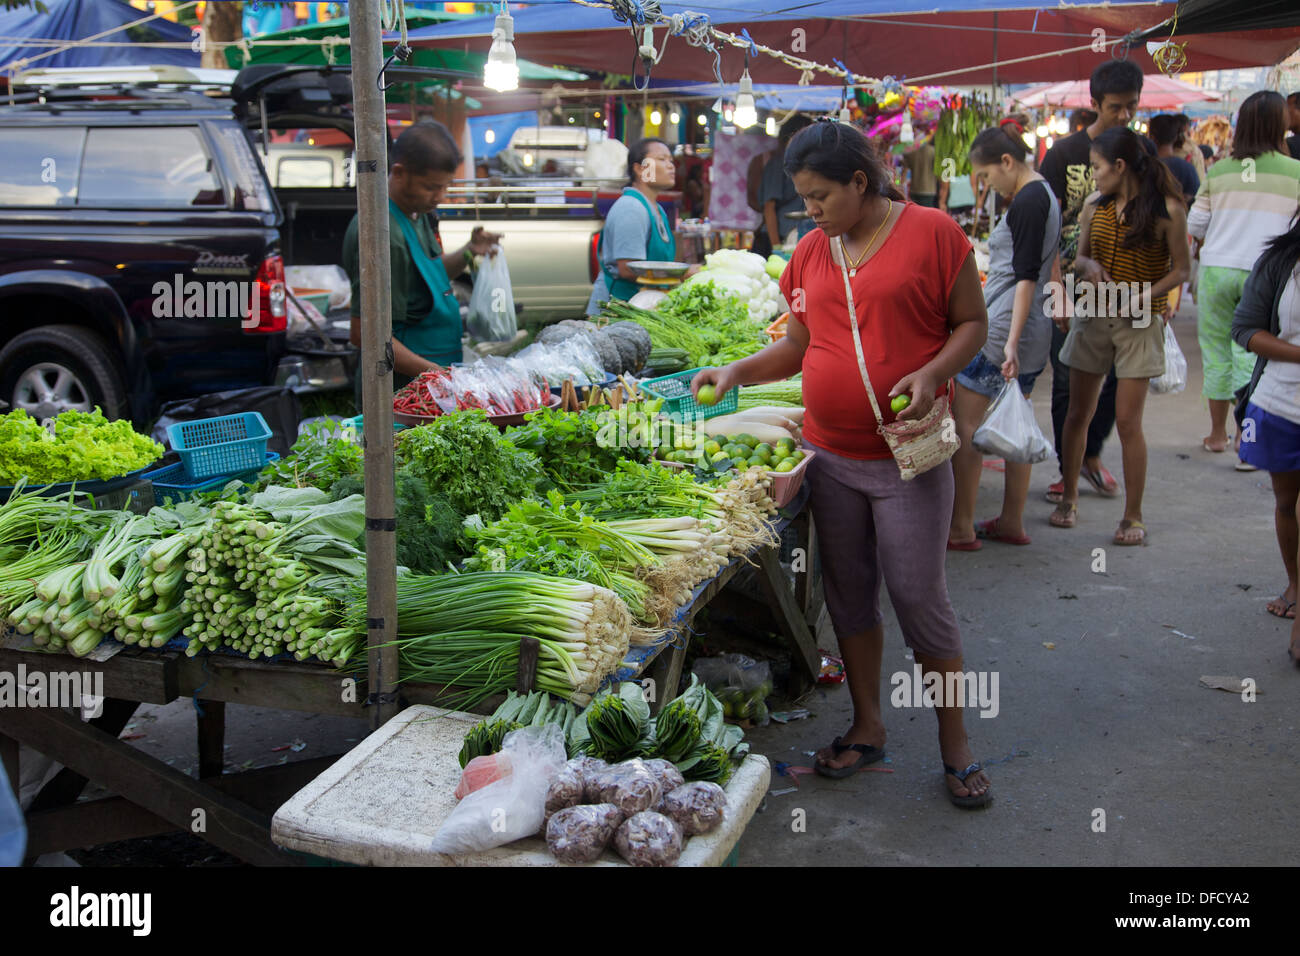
(921,319)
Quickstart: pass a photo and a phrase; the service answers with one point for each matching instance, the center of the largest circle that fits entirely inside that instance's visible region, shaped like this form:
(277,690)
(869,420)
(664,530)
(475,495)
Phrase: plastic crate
(172,484)
(357,425)
(225,445)
(679,403)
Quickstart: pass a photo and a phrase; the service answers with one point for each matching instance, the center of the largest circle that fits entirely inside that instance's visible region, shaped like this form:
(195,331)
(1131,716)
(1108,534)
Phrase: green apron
(657,249)
(437,337)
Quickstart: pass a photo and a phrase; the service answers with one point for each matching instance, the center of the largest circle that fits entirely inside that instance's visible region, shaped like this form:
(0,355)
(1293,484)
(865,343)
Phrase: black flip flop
(867,755)
(970,801)
(1289,604)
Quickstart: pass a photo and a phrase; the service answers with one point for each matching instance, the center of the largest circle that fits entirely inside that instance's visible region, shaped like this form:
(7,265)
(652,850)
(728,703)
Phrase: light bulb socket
(504,28)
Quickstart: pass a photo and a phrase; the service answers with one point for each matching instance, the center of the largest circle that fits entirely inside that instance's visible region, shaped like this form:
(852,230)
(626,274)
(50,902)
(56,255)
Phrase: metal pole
(995,58)
(376,369)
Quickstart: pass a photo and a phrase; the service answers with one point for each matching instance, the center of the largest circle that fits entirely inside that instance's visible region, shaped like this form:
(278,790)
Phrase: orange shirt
(901,298)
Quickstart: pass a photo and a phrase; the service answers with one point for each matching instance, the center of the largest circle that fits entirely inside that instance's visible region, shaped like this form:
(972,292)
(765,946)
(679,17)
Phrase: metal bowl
(658,270)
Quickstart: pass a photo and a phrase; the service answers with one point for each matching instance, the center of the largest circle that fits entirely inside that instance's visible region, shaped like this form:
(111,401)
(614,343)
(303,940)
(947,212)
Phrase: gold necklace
(853,266)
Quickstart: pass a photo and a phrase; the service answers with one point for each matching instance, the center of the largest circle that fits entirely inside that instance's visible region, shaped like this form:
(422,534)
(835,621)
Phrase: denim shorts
(984,378)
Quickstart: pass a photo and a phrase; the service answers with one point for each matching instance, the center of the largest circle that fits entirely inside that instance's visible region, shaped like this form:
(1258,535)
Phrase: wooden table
(233,811)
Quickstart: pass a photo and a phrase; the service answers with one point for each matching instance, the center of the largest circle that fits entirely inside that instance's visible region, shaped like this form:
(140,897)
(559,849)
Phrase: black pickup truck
(143,249)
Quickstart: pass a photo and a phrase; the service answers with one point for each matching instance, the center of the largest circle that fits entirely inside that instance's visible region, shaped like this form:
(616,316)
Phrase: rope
(17,65)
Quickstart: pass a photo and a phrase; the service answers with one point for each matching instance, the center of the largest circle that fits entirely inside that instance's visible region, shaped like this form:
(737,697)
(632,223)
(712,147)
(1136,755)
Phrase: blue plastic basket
(680,404)
(225,445)
(172,484)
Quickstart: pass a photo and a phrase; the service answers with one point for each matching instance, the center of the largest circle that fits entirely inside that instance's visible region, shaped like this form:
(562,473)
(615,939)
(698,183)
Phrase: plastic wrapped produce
(566,790)
(630,786)
(649,839)
(697,807)
(588,768)
(580,834)
(670,778)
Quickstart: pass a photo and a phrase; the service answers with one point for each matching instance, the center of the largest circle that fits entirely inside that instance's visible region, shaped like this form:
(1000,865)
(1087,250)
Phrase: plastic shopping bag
(1010,431)
(492,304)
(512,807)
(1175,378)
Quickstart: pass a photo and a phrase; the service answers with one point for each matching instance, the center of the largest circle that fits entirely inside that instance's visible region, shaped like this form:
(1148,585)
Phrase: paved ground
(1110,718)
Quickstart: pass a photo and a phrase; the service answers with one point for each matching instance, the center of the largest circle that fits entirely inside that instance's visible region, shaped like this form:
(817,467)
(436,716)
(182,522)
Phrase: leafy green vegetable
(616,724)
(319,458)
(463,456)
(428,527)
(83,446)
(569,447)
(710,324)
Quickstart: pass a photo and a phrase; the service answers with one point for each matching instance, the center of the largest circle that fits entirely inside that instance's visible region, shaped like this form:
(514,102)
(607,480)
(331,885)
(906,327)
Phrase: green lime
(797,457)
(711,447)
(707,395)
(785,466)
(719,456)
(747,439)
(900,402)
(756,462)
(762,447)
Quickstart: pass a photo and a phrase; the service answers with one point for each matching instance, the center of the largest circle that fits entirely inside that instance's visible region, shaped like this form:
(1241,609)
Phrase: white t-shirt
(1278,390)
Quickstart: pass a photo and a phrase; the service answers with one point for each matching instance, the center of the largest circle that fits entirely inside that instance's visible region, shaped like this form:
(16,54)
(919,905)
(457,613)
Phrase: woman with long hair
(1267,322)
(919,321)
(1132,251)
(1243,202)
(1022,249)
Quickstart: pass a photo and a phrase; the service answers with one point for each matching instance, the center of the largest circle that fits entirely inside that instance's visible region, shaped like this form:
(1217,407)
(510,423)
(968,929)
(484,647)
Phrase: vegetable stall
(565,557)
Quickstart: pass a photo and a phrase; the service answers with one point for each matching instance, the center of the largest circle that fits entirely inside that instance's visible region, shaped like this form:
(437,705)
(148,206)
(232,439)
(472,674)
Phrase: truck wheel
(61,367)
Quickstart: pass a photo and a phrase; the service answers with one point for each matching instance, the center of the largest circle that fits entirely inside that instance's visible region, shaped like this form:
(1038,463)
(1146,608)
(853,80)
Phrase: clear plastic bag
(511,808)
(741,683)
(1175,378)
(649,839)
(492,305)
(631,786)
(697,807)
(580,834)
(1009,430)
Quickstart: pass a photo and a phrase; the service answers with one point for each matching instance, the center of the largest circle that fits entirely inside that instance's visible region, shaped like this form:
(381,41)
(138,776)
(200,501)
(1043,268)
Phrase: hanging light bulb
(845,115)
(727,114)
(656,117)
(1043,132)
(905,133)
(702,120)
(769,126)
(675,117)
(501,72)
(745,114)
(490,136)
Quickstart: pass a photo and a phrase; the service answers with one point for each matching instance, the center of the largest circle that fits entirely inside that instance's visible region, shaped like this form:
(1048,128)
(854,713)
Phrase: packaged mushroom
(649,839)
(670,778)
(580,834)
(631,786)
(697,807)
(566,790)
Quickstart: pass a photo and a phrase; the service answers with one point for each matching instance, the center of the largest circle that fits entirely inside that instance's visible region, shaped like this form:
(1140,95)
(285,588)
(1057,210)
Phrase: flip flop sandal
(1064,519)
(1098,481)
(965,545)
(867,755)
(1281,599)
(970,801)
(989,531)
(1205,446)
(1128,526)
(1055,492)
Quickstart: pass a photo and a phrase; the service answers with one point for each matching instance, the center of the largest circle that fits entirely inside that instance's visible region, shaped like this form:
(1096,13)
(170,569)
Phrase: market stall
(620,507)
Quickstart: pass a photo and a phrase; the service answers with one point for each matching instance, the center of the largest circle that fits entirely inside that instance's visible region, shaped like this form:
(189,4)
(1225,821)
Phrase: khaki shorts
(1095,344)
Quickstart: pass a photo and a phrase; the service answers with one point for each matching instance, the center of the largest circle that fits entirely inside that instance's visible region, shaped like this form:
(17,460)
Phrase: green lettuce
(80,447)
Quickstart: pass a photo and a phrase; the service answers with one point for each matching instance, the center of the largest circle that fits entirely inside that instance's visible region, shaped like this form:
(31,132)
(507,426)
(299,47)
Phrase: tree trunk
(221,24)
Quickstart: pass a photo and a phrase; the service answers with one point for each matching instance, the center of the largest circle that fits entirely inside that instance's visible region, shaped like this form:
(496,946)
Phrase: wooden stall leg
(666,672)
(805,661)
(67,784)
(211,719)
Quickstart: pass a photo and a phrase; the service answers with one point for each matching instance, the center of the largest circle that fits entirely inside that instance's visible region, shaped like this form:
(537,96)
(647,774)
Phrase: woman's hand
(920,385)
(1090,270)
(1011,367)
(695,267)
(481,242)
(722,379)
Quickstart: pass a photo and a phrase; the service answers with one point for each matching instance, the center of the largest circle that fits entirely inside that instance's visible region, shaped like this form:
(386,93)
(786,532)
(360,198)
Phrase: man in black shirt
(1115,88)
(1167,133)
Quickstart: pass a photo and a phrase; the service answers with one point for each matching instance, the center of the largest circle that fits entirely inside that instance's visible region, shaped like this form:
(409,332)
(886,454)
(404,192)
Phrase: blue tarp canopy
(502,126)
(77,19)
(953,42)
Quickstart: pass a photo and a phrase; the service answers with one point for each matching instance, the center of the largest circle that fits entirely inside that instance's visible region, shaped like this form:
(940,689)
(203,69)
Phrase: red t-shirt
(901,298)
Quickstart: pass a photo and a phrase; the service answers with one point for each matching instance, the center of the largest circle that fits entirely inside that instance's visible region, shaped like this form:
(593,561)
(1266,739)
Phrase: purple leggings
(872,524)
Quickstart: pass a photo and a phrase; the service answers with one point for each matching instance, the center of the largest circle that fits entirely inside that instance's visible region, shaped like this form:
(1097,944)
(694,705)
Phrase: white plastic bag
(514,806)
(1010,431)
(1175,378)
(492,304)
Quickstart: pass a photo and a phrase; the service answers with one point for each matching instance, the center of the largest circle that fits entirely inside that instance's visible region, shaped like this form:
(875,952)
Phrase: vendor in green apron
(426,314)
(636,226)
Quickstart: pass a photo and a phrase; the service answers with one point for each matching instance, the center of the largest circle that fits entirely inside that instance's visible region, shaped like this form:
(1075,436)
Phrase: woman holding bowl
(920,320)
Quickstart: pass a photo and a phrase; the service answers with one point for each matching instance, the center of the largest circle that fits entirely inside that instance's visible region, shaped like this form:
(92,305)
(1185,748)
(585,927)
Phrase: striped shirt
(1146,262)
(1241,205)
